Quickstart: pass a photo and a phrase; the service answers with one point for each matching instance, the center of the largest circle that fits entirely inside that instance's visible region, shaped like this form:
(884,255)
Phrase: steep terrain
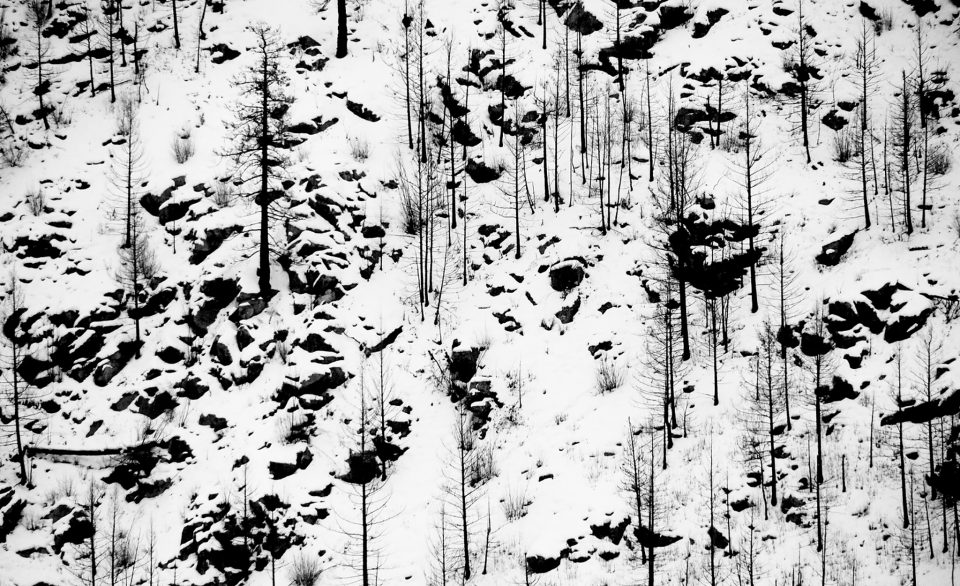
(357,417)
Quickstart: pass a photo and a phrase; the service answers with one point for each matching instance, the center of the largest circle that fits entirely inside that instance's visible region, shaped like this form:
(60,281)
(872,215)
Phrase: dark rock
(904,325)
(35,370)
(833,121)
(700,29)
(604,346)
(314,342)
(832,252)
(566,275)
(883,297)
(73,529)
(361,111)
(923,7)
(607,530)
(220,352)
(314,392)
(222,53)
(686,118)
(281,470)
(244,338)
(463,363)
(541,565)
(481,173)
(647,538)
(220,292)
(212,239)
(191,388)
(156,303)
(384,342)
(362,467)
(41,247)
(170,355)
(579,20)
(111,365)
(673,16)
(248,305)
(839,390)
(11,510)
(213,422)
(717,539)
(568,312)
(374,231)
(160,404)
(125,401)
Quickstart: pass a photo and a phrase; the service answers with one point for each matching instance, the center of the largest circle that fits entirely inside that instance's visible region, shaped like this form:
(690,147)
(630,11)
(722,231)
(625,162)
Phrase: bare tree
(805,72)
(107,29)
(675,192)
(369,499)
(137,267)
(471,468)
(816,345)
(128,172)
(866,68)
(763,408)
(784,279)
(87,30)
(753,175)
(258,140)
(201,35)
(38,14)
(90,550)
(17,410)
(903,131)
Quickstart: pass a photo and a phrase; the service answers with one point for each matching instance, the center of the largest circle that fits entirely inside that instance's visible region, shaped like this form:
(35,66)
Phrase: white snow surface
(562,451)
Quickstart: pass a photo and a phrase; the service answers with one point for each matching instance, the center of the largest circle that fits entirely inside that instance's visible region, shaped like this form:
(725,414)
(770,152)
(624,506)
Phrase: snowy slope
(233,401)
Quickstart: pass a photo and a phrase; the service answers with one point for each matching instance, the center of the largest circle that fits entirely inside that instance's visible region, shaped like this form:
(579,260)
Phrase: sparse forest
(463,292)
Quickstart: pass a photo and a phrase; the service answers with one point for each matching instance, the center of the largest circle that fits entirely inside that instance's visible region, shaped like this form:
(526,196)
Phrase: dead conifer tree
(752,176)
(107,29)
(763,409)
(365,478)
(37,15)
(471,467)
(803,68)
(258,141)
(787,291)
(866,69)
(18,400)
(903,131)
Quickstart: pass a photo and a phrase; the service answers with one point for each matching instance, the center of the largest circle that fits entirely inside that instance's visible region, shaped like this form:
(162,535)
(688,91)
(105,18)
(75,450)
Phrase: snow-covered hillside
(572,292)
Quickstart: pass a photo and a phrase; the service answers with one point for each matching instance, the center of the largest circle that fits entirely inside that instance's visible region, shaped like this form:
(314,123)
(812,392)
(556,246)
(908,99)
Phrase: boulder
(219,293)
(569,311)
(537,564)
(463,363)
(905,325)
(249,305)
(566,275)
(832,252)
(479,172)
(11,510)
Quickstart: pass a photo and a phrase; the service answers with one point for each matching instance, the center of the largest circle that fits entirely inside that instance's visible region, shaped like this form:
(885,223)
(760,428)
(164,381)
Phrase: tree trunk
(905,155)
(341,29)
(15,364)
(265,138)
(754,304)
(176,26)
(200,33)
